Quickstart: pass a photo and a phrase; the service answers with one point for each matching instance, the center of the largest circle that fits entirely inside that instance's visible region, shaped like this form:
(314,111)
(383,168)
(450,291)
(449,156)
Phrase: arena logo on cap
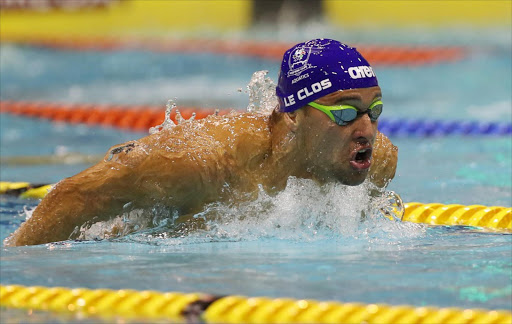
(363,71)
(298,62)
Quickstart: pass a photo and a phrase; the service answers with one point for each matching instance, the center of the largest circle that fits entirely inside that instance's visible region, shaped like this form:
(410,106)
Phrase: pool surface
(307,242)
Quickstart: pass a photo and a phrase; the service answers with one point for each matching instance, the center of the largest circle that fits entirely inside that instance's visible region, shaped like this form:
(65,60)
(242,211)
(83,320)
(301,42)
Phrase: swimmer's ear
(291,120)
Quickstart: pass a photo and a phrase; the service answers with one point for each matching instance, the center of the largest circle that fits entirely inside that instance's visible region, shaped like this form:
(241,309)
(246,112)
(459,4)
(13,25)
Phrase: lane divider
(178,307)
(493,217)
(135,118)
(432,128)
(24,189)
(103,303)
(376,54)
(141,118)
(239,309)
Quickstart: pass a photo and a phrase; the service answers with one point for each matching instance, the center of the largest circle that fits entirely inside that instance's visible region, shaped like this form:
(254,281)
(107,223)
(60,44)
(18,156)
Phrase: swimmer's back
(238,137)
(216,151)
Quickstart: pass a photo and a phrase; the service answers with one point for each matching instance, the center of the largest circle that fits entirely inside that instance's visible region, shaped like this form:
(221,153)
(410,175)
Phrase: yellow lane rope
(5,186)
(104,303)
(24,189)
(131,304)
(494,217)
(239,309)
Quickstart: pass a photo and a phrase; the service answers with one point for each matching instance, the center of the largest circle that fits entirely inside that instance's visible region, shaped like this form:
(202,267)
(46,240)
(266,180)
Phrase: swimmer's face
(339,153)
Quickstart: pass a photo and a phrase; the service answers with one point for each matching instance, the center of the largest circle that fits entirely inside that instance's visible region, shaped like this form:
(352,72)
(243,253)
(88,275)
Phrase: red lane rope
(141,118)
(135,118)
(379,55)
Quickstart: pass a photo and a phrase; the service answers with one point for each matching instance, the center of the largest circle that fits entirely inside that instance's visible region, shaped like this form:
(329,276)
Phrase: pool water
(307,242)
(440,266)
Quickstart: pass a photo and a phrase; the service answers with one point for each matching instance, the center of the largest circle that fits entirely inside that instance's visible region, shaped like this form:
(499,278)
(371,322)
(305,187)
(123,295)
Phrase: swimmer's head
(318,67)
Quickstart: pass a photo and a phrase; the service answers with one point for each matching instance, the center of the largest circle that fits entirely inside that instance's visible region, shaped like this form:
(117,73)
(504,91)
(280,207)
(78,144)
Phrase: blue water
(369,262)
(444,267)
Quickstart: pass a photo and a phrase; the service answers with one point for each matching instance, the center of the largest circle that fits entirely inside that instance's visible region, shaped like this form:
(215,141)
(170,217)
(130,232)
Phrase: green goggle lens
(344,114)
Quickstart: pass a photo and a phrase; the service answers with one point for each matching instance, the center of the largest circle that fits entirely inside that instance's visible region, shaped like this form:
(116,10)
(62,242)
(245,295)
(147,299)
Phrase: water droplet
(262,93)
(168,123)
(179,117)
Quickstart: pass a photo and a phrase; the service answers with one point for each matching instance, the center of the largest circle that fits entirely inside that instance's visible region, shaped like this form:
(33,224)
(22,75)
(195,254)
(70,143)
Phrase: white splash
(305,211)
(28,211)
(168,123)
(262,99)
(262,93)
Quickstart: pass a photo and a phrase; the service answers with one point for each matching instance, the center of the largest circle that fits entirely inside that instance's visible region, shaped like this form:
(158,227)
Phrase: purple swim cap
(318,67)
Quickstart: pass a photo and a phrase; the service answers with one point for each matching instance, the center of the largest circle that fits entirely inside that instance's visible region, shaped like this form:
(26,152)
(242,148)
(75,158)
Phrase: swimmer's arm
(384,161)
(100,192)
(91,194)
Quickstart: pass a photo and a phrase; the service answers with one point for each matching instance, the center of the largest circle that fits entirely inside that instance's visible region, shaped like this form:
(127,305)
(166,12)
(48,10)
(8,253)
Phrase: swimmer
(324,129)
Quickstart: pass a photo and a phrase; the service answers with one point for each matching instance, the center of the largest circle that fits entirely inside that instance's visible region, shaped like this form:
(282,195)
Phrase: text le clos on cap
(315,68)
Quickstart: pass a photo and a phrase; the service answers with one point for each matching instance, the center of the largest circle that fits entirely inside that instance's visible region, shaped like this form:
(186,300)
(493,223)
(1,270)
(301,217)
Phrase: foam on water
(303,212)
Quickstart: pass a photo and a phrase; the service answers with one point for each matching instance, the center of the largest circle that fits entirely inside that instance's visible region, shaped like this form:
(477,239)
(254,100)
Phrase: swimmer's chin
(353,183)
(356,180)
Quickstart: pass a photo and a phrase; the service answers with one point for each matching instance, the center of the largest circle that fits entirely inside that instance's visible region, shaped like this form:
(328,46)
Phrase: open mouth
(361,159)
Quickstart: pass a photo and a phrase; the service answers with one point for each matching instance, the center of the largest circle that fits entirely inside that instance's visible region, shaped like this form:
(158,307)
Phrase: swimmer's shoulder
(226,127)
(245,126)
(129,154)
(240,135)
(214,130)
(237,118)
(248,137)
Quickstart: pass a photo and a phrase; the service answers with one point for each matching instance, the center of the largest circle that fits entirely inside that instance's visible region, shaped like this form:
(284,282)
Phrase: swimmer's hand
(384,161)
(394,209)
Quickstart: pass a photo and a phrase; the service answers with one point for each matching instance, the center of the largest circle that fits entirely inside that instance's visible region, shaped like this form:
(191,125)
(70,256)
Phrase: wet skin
(219,158)
(332,150)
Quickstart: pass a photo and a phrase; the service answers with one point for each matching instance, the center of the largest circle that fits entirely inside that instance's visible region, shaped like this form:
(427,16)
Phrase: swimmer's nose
(364,130)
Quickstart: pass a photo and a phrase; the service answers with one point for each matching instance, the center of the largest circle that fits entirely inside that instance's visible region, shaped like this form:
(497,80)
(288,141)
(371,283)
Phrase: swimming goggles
(344,114)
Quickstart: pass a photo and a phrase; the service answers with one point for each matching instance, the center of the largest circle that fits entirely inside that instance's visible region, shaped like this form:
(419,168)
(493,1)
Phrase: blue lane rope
(142,118)
(431,128)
